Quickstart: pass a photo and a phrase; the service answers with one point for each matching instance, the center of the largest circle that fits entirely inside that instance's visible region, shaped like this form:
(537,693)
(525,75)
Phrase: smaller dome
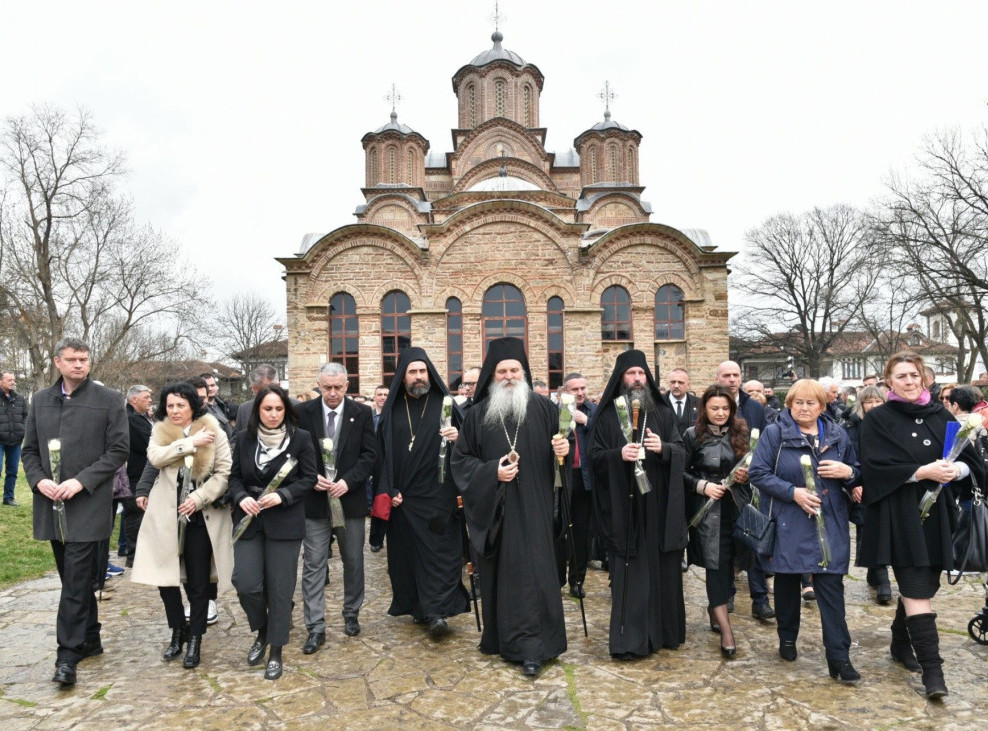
(393,125)
(608,124)
(503,183)
(497,53)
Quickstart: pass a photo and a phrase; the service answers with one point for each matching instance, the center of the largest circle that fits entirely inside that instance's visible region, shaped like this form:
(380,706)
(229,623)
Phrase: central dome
(498,53)
(503,183)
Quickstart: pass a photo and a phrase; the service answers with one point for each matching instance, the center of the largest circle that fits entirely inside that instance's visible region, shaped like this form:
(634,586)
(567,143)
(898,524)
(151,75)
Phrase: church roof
(608,123)
(394,125)
(568,159)
(503,183)
(497,53)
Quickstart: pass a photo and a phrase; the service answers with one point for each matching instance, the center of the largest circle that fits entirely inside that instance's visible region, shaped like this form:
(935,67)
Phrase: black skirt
(917,582)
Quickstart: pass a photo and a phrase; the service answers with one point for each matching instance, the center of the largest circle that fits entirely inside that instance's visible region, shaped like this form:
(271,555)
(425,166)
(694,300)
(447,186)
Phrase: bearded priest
(504,464)
(644,533)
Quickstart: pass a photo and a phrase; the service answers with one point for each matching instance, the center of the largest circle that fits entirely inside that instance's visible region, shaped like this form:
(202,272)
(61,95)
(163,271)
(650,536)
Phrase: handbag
(756,530)
(381,507)
(970,539)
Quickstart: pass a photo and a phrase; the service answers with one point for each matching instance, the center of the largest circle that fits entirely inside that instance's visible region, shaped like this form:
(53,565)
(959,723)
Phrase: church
(451,250)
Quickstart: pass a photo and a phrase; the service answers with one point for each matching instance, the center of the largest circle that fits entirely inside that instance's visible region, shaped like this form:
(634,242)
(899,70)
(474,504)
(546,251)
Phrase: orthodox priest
(645,534)
(504,464)
(425,546)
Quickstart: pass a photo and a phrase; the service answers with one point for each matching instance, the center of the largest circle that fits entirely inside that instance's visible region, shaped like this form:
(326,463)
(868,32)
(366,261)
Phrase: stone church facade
(502,237)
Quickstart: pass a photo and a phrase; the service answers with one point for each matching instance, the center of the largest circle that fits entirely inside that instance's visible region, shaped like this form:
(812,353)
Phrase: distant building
(502,237)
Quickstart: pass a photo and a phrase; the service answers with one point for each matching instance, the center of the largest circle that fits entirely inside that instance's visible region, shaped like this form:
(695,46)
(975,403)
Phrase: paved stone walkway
(393,675)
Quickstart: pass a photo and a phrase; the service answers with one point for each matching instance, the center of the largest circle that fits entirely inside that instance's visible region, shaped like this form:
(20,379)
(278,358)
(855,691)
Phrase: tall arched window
(615,320)
(528,106)
(612,169)
(554,338)
(473,105)
(411,167)
(632,165)
(372,171)
(396,331)
(454,339)
(593,164)
(499,93)
(669,321)
(392,165)
(344,336)
(505,314)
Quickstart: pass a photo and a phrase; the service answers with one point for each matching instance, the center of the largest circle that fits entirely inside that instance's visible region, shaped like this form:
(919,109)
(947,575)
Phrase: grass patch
(100,695)
(23,557)
(124,612)
(570,672)
(213,682)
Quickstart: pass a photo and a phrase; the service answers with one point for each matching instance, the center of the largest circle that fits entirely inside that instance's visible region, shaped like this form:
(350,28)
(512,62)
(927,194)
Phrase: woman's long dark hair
(184,390)
(737,429)
(291,418)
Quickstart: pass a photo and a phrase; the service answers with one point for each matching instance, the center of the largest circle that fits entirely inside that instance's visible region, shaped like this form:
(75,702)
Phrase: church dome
(497,53)
(608,123)
(395,126)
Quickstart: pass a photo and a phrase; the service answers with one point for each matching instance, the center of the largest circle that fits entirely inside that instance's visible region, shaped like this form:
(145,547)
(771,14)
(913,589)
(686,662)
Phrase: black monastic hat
(498,350)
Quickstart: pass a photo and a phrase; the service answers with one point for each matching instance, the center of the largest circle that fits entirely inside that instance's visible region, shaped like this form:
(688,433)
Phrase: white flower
(805,460)
(327,444)
(54,445)
(567,399)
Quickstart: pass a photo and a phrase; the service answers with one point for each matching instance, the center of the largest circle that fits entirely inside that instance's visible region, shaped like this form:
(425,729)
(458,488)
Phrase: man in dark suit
(139,423)
(351,427)
(259,378)
(90,426)
(683,403)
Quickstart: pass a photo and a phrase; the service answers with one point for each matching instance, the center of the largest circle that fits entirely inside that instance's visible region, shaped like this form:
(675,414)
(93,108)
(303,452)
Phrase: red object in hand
(381,507)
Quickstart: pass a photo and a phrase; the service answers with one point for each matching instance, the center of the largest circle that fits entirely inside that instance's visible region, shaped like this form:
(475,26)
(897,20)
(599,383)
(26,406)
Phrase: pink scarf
(923,400)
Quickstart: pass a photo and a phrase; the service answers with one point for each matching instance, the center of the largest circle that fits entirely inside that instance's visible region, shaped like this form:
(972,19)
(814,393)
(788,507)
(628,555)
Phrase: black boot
(192,654)
(901,650)
(926,643)
(179,638)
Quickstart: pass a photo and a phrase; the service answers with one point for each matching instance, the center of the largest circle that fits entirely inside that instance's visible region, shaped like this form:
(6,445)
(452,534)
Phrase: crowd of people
(650,480)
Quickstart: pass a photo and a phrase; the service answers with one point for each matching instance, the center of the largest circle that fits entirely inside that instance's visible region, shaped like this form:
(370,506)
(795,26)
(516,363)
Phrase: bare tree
(247,322)
(934,229)
(72,258)
(804,280)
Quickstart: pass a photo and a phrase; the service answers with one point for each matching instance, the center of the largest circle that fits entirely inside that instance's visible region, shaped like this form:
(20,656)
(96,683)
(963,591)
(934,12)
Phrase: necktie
(679,410)
(331,424)
(576,455)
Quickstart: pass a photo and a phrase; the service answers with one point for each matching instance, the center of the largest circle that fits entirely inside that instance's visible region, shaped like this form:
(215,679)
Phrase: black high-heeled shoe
(714,626)
(729,651)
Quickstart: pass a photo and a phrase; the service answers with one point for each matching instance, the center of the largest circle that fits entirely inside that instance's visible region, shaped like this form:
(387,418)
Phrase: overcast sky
(241,120)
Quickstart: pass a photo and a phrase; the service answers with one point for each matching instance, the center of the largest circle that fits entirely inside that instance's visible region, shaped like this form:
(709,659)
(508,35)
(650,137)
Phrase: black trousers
(829,590)
(264,574)
(198,562)
(77,621)
(577,556)
(132,517)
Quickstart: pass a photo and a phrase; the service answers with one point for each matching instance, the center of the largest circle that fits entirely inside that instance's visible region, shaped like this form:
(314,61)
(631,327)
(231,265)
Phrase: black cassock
(511,528)
(425,547)
(655,613)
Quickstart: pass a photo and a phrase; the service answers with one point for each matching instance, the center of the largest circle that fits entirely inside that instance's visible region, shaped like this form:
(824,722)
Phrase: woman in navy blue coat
(804,429)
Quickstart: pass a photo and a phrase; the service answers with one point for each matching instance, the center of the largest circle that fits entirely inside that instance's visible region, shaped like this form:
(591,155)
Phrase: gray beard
(643,395)
(419,389)
(507,405)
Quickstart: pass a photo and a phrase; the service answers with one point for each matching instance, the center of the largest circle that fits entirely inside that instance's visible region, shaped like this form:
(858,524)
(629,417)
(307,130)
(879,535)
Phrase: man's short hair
(827,382)
(198,382)
(572,377)
(73,343)
(136,390)
(5,372)
(207,375)
(379,386)
(262,374)
(680,370)
(333,369)
(965,398)
(539,384)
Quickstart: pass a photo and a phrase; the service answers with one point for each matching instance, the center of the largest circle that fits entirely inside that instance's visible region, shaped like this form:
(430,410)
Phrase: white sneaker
(212,616)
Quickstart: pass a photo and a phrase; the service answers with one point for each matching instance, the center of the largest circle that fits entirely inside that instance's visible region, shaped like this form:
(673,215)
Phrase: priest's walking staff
(566,407)
(466,555)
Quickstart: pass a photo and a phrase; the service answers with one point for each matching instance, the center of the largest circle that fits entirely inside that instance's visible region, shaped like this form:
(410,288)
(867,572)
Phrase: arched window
(372,171)
(528,106)
(632,165)
(411,167)
(505,314)
(396,331)
(593,164)
(473,105)
(454,339)
(554,338)
(669,322)
(615,320)
(392,165)
(612,169)
(499,93)
(344,336)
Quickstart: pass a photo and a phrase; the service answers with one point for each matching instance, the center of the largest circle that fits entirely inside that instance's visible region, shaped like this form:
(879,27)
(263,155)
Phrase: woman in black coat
(713,447)
(902,444)
(266,555)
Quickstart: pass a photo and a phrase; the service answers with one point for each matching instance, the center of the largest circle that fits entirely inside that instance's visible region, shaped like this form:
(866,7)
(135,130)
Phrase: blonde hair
(806,388)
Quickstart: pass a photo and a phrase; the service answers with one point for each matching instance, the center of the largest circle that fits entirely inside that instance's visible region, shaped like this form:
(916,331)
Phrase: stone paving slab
(392,675)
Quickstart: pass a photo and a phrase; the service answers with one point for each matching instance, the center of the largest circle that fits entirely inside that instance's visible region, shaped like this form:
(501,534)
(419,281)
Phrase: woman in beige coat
(191,451)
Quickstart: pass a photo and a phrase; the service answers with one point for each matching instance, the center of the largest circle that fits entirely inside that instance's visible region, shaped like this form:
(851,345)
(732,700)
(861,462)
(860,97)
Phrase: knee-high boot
(901,649)
(926,643)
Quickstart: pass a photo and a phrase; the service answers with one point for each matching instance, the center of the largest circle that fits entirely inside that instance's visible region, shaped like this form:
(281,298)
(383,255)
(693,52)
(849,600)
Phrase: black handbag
(970,539)
(756,530)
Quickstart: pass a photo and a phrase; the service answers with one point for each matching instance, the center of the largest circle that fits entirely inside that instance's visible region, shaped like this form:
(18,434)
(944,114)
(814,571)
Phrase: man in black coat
(90,425)
(351,427)
(13,415)
(680,400)
(139,423)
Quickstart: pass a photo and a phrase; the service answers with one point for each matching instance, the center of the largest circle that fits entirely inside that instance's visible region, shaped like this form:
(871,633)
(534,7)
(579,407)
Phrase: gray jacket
(92,426)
